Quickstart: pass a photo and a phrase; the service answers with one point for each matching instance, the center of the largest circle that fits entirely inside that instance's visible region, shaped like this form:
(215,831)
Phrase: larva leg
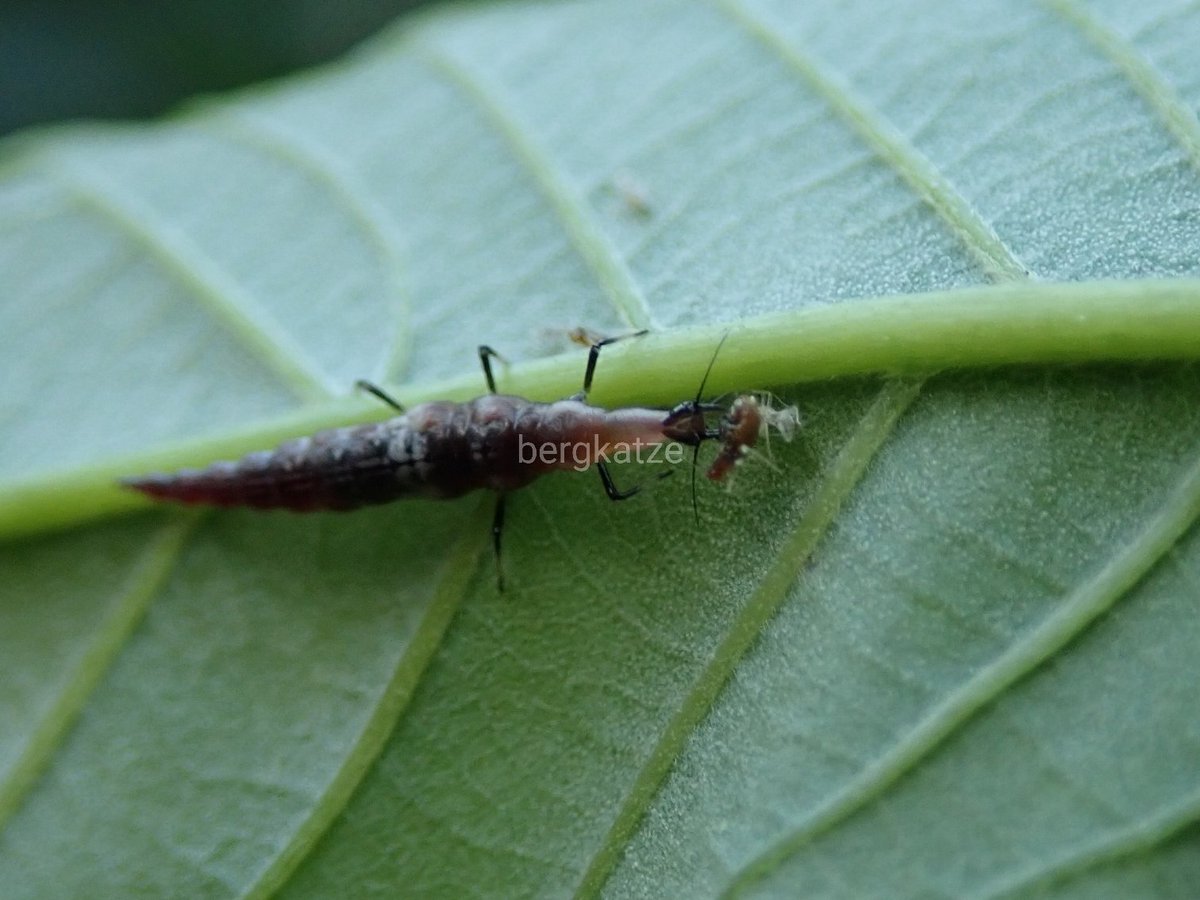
(594,354)
(486,354)
(379,392)
(614,493)
(497,531)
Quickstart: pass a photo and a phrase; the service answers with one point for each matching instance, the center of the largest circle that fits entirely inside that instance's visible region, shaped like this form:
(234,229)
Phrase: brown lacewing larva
(444,449)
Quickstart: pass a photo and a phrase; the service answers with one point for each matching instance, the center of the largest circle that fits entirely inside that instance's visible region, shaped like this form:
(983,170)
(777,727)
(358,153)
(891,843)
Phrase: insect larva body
(435,450)
(339,469)
(443,450)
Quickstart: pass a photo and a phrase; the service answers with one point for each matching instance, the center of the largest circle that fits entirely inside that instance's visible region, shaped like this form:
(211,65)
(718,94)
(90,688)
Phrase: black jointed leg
(486,355)
(497,531)
(614,493)
(594,354)
(379,392)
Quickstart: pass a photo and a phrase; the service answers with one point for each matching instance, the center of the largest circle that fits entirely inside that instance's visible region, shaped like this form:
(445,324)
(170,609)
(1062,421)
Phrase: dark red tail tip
(160,487)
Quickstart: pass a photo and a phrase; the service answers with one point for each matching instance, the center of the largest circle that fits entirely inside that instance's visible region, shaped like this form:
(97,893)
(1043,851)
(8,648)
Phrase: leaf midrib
(1026,323)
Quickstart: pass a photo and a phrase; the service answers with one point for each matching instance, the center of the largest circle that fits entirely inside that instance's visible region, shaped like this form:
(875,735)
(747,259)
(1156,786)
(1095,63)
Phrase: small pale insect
(740,429)
(445,449)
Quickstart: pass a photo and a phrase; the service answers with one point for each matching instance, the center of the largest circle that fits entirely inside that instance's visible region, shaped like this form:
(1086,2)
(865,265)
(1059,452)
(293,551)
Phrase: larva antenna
(696,448)
(711,363)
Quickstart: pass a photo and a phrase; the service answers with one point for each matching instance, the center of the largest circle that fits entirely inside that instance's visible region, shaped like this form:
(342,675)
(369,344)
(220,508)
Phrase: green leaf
(943,644)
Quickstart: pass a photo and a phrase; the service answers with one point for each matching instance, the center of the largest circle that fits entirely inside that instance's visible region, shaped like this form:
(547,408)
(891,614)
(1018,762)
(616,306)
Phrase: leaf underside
(943,643)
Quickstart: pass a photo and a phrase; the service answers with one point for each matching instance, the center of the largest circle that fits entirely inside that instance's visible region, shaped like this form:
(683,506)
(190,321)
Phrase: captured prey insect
(748,419)
(739,430)
(444,449)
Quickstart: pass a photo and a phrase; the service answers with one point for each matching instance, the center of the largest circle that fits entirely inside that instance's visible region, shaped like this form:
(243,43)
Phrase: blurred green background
(70,59)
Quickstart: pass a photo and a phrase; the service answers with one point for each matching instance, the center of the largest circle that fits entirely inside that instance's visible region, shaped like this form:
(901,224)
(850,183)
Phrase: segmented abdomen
(436,450)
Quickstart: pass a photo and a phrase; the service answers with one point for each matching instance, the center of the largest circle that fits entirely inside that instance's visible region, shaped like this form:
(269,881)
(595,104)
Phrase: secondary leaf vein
(221,295)
(377,224)
(839,482)
(1175,113)
(997,260)
(1139,837)
(147,579)
(601,256)
(1077,611)
(393,700)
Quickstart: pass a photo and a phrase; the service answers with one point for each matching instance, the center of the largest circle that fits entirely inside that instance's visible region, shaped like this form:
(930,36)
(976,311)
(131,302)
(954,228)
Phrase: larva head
(687,423)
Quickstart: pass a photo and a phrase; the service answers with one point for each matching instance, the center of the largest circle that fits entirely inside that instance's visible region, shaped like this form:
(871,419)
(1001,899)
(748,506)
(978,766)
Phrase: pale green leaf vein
(1138,837)
(997,260)
(147,578)
(598,252)
(376,223)
(457,570)
(1175,113)
(841,479)
(1078,610)
(221,295)
(1020,323)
